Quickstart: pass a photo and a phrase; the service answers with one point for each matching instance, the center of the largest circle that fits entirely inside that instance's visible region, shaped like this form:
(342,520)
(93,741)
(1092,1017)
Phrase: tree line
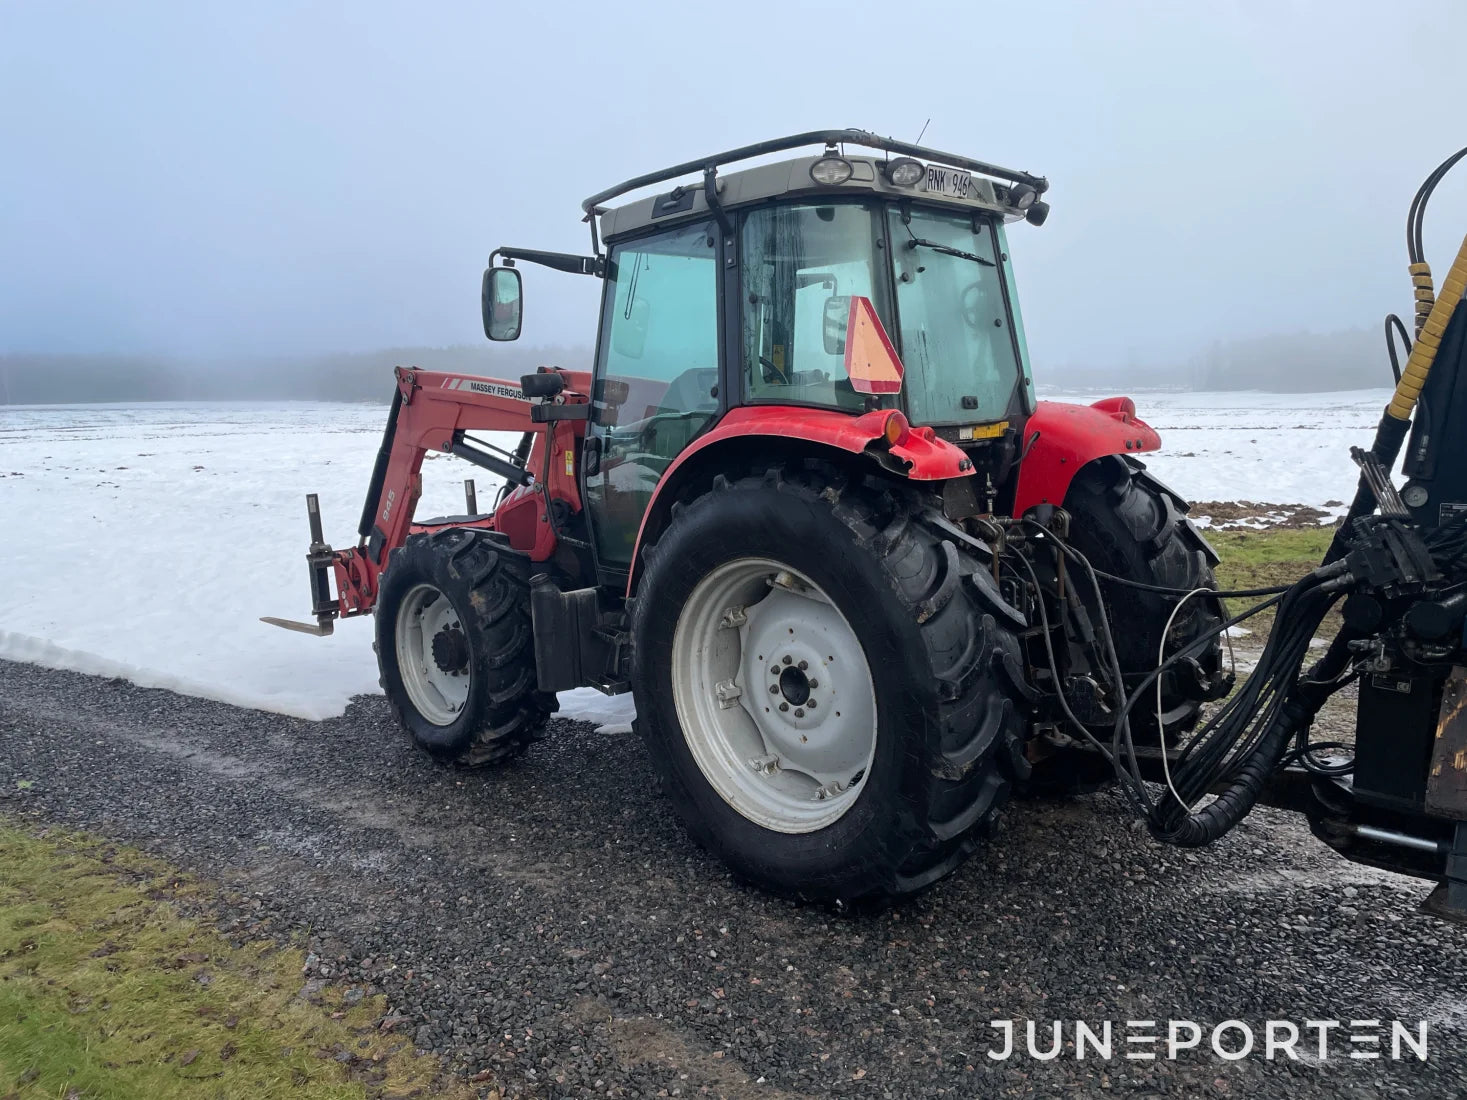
(1290,363)
(38,379)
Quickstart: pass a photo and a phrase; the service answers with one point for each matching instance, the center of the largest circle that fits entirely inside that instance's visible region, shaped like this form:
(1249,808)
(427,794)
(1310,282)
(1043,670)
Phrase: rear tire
(934,652)
(1130,525)
(455,648)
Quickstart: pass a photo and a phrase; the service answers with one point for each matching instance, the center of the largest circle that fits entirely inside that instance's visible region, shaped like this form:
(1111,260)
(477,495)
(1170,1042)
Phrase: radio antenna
(924,130)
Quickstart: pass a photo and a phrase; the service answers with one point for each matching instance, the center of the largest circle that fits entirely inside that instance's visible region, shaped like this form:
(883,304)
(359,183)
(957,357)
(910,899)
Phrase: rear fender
(1069,436)
(918,455)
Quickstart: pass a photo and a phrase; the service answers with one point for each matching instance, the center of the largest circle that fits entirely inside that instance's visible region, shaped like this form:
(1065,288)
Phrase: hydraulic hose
(1203,826)
(1244,743)
(1432,313)
(1428,338)
(1390,433)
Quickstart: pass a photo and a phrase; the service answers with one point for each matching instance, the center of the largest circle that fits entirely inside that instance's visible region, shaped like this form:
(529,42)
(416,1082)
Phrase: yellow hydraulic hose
(1429,336)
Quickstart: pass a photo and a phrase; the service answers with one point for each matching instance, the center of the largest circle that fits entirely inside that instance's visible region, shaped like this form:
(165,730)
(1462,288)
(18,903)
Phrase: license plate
(948,181)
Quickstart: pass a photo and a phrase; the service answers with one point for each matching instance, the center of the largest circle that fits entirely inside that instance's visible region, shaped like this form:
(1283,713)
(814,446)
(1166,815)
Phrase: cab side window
(657,379)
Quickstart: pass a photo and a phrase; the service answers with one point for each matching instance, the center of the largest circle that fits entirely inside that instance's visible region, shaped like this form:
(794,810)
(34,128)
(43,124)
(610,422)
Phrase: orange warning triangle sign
(871,361)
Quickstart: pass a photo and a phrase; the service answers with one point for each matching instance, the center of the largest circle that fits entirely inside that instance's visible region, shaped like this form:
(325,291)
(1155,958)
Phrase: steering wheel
(783,376)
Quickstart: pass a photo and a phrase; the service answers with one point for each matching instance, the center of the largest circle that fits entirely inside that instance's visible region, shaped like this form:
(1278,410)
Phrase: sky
(209,180)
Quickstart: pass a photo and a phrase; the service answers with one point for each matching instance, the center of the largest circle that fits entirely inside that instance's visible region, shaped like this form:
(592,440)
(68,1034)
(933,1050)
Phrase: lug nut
(774,670)
(811,704)
(786,658)
(803,665)
(814,684)
(773,689)
(784,706)
(799,713)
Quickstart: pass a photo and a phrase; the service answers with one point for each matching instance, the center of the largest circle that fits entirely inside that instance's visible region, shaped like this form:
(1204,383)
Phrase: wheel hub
(802,652)
(794,685)
(451,650)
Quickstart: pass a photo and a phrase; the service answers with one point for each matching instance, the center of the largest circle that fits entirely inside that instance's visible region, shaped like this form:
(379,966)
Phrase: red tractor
(806,507)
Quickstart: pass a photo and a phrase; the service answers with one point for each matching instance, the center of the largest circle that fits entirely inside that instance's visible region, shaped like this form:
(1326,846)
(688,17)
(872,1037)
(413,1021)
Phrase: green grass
(1262,559)
(1277,555)
(108,990)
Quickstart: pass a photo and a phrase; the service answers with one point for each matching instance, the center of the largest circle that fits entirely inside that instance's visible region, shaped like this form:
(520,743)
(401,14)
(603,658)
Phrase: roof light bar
(828,138)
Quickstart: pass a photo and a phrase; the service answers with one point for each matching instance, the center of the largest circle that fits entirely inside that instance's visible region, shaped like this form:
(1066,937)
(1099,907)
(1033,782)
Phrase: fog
(221,185)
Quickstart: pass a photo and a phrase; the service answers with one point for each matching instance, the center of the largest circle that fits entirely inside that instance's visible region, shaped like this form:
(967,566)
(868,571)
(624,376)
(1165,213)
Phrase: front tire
(455,648)
(898,629)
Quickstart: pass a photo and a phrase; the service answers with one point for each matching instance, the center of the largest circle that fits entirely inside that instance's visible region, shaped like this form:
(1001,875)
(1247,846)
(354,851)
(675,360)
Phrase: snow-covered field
(1280,448)
(144,541)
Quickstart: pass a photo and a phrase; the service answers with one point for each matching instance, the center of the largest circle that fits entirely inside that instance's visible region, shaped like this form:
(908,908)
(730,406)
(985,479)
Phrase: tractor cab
(739,289)
(802,238)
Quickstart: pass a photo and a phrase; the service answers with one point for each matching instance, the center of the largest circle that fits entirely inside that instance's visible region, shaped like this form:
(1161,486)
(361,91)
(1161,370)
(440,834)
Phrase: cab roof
(991,188)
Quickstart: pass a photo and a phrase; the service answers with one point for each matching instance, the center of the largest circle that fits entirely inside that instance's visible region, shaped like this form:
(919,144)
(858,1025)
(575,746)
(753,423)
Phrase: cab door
(656,377)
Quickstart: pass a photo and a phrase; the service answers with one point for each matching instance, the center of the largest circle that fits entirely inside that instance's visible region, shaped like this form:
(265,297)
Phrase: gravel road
(549,921)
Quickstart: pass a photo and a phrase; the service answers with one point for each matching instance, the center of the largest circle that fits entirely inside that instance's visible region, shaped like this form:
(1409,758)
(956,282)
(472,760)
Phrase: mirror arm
(590,219)
(715,204)
(560,261)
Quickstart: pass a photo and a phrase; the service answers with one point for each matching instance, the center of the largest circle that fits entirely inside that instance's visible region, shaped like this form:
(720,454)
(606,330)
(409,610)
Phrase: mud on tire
(944,665)
(487,585)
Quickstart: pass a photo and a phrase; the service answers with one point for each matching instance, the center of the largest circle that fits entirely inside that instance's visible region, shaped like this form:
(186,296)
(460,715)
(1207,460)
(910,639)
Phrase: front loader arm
(431,411)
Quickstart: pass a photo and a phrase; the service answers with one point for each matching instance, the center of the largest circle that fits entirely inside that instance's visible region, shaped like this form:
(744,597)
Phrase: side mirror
(833,323)
(503,309)
(629,332)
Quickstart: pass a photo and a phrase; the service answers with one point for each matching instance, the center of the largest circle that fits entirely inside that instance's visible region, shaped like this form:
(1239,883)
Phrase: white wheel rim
(774,695)
(436,684)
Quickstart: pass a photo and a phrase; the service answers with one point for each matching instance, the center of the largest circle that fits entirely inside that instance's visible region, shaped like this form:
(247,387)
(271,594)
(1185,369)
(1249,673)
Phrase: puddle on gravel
(320,849)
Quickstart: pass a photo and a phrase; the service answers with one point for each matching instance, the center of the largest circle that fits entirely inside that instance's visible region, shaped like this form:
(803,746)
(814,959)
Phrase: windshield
(956,343)
(801,263)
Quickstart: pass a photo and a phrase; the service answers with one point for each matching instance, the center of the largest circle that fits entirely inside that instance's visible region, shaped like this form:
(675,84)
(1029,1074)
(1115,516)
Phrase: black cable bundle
(1121,751)
(1448,545)
(1245,740)
(1249,736)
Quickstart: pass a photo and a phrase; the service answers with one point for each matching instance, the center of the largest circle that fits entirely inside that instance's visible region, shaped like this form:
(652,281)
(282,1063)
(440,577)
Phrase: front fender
(1071,436)
(918,455)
